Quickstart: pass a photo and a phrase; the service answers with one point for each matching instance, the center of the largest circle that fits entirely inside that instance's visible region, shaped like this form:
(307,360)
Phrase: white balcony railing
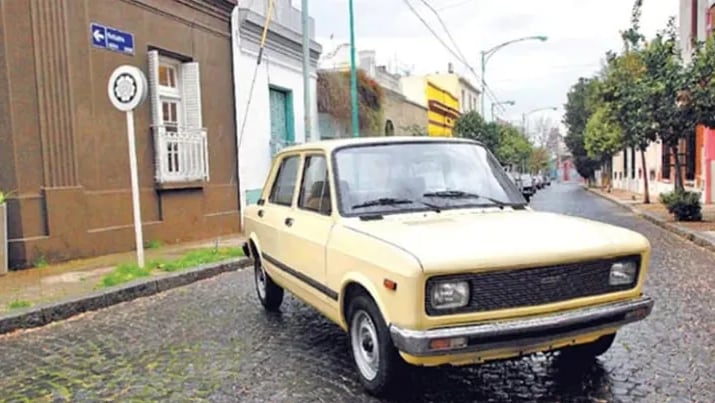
(181,155)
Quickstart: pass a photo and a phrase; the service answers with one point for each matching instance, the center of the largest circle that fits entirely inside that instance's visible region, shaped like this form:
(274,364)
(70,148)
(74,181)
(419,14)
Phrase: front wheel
(269,293)
(375,357)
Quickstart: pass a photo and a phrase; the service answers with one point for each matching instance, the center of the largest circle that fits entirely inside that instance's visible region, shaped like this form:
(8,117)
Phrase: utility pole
(484,82)
(353,75)
(306,70)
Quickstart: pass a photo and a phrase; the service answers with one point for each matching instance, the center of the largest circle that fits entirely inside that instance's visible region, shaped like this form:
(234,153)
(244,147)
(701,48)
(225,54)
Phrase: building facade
(64,152)
(442,105)
(272,115)
(459,86)
(401,116)
(697,153)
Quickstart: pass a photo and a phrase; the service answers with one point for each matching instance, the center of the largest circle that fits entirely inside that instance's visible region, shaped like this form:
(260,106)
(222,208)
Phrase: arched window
(389,128)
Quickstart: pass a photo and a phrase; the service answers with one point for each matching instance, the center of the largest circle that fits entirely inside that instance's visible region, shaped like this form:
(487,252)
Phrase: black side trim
(302,277)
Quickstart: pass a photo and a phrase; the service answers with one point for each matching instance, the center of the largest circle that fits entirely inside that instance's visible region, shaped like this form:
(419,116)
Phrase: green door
(281,104)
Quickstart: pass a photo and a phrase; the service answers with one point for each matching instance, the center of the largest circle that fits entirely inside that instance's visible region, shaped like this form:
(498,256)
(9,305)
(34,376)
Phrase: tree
(471,125)
(539,159)
(542,130)
(625,89)
(603,138)
(514,148)
(579,108)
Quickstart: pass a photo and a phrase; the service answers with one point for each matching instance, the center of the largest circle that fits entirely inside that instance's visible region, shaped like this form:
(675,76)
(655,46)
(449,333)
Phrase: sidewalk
(702,233)
(37,288)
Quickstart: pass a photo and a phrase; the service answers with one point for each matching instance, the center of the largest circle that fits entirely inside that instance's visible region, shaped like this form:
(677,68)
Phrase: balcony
(181,155)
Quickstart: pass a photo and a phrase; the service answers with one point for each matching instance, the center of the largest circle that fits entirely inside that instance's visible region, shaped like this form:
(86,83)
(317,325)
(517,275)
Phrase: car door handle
(288,221)
(260,213)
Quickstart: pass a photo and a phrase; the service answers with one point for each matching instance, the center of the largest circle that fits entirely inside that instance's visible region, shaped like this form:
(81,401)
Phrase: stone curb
(690,235)
(44,314)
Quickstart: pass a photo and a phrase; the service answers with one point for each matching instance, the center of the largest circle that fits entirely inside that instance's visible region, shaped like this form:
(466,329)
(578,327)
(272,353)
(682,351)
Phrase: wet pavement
(212,341)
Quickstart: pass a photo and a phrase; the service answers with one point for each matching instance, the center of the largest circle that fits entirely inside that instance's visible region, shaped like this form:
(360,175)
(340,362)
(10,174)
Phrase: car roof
(329,145)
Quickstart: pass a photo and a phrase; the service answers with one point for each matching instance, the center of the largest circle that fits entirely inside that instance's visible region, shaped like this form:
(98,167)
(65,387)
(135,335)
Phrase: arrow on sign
(98,35)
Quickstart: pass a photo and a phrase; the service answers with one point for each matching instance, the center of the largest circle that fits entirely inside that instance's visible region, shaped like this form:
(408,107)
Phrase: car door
(309,225)
(276,208)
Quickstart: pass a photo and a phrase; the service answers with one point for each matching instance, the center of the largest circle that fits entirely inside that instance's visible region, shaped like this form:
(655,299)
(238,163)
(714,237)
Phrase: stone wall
(407,118)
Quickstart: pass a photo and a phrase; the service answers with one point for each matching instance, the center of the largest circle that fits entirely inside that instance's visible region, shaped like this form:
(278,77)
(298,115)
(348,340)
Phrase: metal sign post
(127,89)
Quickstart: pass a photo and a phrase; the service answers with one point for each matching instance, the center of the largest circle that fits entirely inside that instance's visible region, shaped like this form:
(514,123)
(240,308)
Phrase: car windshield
(418,176)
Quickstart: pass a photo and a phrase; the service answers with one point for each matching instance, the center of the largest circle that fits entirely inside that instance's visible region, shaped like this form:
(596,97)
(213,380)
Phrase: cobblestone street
(212,341)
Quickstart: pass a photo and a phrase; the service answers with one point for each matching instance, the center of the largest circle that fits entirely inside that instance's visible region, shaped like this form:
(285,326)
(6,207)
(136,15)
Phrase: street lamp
(486,54)
(510,103)
(525,115)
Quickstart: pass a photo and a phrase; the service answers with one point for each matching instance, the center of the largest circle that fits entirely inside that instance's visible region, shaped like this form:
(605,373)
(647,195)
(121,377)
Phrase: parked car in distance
(538,182)
(547,180)
(425,253)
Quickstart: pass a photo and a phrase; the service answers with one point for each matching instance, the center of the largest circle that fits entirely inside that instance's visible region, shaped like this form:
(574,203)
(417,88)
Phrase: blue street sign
(110,38)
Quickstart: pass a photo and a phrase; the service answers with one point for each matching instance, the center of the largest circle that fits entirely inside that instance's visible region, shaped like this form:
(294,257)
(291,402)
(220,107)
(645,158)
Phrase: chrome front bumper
(526,332)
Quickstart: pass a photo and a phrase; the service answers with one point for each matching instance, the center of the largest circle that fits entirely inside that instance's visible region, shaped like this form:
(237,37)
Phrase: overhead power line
(457,54)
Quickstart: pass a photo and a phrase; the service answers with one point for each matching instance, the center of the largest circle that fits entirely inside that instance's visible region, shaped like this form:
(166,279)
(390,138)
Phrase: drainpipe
(235,55)
(709,158)
(306,70)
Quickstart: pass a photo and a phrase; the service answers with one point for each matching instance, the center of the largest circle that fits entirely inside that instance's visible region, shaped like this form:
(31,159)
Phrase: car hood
(490,240)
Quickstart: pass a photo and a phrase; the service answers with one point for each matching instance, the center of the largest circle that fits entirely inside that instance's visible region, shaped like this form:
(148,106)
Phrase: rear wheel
(376,358)
(269,293)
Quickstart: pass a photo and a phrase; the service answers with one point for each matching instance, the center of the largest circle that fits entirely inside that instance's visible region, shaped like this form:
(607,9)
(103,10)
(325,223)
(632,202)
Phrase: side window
(315,189)
(284,185)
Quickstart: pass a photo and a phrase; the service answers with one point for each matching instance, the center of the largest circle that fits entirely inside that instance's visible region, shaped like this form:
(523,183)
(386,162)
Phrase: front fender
(253,246)
(365,282)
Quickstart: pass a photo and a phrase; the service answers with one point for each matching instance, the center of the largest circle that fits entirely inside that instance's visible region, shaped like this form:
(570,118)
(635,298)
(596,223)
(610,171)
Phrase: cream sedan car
(425,252)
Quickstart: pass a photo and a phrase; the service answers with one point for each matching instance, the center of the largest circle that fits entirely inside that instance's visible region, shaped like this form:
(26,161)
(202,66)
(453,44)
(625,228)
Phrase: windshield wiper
(391,201)
(458,194)
(383,201)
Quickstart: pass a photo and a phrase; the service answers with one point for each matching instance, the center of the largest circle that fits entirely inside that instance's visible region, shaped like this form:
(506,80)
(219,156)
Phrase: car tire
(376,359)
(528,198)
(589,351)
(269,293)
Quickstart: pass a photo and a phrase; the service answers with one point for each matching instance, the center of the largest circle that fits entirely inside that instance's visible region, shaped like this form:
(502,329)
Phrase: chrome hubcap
(261,281)
(363,337)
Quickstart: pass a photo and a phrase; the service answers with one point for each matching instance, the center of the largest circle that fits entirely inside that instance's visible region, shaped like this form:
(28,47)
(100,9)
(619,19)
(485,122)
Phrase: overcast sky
(533,74)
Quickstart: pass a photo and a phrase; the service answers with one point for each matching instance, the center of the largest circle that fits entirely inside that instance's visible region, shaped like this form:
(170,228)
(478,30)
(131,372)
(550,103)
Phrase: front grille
(534,286)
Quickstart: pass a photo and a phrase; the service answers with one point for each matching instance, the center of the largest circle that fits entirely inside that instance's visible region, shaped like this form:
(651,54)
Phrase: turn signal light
(448,344)
(389,284)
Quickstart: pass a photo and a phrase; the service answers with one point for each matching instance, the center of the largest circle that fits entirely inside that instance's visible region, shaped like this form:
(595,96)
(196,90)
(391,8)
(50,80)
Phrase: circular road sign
(127,88)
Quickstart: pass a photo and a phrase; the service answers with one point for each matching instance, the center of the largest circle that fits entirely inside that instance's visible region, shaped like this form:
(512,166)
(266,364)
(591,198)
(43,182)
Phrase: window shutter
(154,87)
(191,95)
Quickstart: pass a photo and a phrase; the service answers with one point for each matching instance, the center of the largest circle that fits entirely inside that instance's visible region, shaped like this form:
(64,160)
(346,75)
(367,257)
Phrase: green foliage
(19,304)
(334,98)
(199,257)
(124,273)
(471,125)
(539,159)
(131,271)
(602,137)
(685,206)
(4,196)
(153,244)
(580,105)
(40,262)
(514,148)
